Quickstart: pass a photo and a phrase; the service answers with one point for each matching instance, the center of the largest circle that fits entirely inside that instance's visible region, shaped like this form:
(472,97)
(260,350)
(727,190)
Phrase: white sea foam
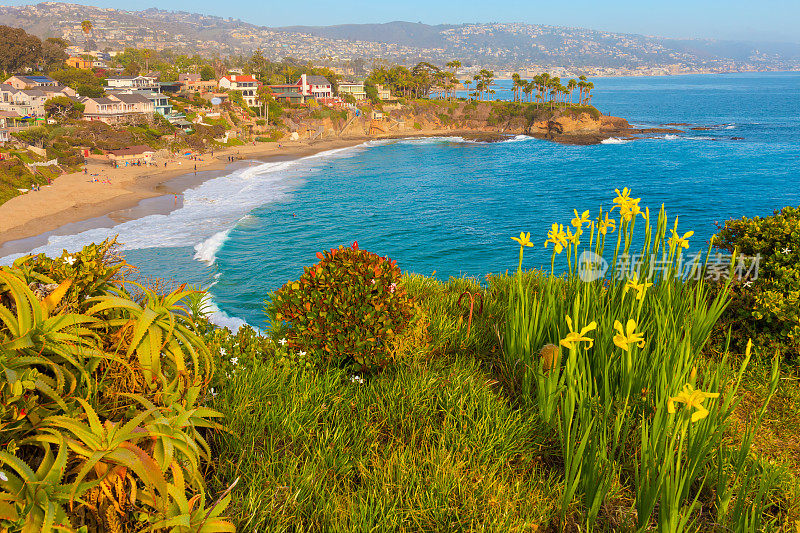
(671,137)
(208,212)
(614,140)
(222,319)
(730,126)
(206,251)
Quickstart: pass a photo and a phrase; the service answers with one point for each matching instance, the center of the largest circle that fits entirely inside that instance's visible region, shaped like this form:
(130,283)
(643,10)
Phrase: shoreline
(74,203)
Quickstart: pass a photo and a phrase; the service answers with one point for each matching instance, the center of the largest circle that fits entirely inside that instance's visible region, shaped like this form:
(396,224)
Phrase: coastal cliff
(486,120)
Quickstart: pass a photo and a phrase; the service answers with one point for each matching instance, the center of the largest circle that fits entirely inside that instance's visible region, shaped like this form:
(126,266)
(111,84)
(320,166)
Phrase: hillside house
(135,83)
(79,62)
(247,85)
(30,102)
(315,86)
(383,92)
(117,108)
(192,83)
(356,90)
(288,93)
(19,81)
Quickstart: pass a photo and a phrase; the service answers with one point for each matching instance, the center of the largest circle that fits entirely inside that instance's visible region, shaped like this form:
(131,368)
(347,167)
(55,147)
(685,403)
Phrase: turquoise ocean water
(451,206)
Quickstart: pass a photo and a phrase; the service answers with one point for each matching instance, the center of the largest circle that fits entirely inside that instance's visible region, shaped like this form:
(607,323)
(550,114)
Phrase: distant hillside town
(504,48)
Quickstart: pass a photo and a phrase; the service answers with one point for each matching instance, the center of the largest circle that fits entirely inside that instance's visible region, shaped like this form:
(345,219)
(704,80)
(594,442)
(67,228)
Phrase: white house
(136,83)
(247,85)
(315,86)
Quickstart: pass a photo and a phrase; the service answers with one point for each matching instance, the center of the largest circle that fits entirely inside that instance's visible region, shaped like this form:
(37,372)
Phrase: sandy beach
(104,190)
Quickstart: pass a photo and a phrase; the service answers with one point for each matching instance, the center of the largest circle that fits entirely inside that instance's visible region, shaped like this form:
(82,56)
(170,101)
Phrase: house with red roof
(247,85)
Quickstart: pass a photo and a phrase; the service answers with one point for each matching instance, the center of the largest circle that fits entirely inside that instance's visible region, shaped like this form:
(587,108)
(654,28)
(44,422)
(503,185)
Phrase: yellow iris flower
(574,238)
(680,242)
(524,239)
(628,207)
(640,288)
(581,219)
(625,338)
(607,223)
(574,337)
(693,399)
(558,237)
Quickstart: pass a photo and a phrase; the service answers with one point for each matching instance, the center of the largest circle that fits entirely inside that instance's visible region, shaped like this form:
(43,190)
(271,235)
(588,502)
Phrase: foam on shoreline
(210,209)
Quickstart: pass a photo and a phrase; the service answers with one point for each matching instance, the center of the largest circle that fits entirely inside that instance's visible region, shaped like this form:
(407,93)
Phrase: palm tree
(544,82)
(528,89)
(86,27)
(467,83)
(516,84)
(455,65)
(589,87)
(581,87)
(571,88)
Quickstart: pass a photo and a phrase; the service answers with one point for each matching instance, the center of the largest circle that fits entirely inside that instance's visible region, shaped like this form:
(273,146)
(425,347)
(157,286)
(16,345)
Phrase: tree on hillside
(83,81)
(207,73)
(63,108)
(53,54)
(19,49)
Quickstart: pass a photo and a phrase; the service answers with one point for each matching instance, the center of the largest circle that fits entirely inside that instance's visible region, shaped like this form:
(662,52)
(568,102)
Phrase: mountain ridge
(493,45)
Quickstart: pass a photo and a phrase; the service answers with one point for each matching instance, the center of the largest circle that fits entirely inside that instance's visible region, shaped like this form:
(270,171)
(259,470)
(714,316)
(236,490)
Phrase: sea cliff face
(570,125)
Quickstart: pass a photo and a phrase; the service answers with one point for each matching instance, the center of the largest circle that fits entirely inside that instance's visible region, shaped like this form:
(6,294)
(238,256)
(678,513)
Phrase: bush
(766,309)
(345,310)
(417,126)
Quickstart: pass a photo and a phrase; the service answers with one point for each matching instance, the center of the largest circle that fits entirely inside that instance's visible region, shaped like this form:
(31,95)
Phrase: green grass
(428,446)
(441,441)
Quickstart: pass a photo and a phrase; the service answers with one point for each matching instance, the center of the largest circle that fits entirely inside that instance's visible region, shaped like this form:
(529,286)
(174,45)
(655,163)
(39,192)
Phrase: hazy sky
(763,20)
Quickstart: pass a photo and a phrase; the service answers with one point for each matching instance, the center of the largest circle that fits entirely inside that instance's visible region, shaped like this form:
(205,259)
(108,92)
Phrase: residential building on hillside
(247,85)
(383,92)
(79,62)
(136,83)
(30,102)
(116,108)
(193,83)
(20,81)
(315,86)
(356,90)
(288,93)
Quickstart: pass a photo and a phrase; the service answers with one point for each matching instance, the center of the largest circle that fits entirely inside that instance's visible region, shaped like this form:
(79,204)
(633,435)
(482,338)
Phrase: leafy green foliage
(766,309)
(103,422)
(345,310)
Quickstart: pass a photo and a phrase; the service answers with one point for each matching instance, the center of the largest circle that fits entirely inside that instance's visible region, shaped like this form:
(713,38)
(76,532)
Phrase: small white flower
(356,379)
(213,392)
(3,476)
(392,287)
(282,341)
(235,360)
(302,354)
(222,351)
(70,260)
(748,283)
(786,251)
(374,282)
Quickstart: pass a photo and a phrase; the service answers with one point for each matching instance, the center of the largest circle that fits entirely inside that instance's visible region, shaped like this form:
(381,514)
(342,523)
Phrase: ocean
(450,206)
